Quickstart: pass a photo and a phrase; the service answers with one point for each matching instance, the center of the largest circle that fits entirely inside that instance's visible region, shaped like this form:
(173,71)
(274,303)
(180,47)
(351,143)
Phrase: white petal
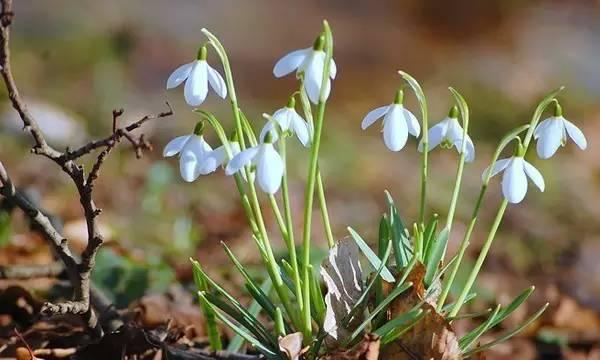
(191,157)
(174,146)
(196,86)
(550,138)
(216,82)
(283,117)
(534,175)
(455,131)
(179,75)
(541,126)
(435,135)
(514,181)
(373,115)
(290,62)
(300,128)
(269,128)
(240,160)
(414,128)
(395,131)
(269,169)
(575,134)
(499,165)
(313,77)
(470,150)
(332,69)
(219,154)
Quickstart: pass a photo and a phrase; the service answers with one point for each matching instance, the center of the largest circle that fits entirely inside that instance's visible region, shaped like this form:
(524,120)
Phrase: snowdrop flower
(552,133)
(514,180)
(197,75)
(268,162)
(289,120)
(448,133)
(398,122)
(310,62)
(195,155)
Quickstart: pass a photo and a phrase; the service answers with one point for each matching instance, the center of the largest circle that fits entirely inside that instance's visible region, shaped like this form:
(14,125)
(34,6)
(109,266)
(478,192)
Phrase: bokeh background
(76,61)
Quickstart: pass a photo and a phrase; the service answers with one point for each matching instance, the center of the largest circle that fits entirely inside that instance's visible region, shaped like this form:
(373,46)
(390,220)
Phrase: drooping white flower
(514,180)
(197,75)
(220,154)
(268,162)
(195,155)
(310,62)
(289,120)
(448,133)
(398,122)
(552,133)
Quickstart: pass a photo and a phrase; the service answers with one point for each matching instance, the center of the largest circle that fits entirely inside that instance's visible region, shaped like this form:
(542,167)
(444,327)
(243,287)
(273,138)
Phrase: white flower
(268,162)
(288,120)
(198,75)
(195,156)
(220,154)
(552,133)
(311,62)
(514,180)
(398,122)
(448,133)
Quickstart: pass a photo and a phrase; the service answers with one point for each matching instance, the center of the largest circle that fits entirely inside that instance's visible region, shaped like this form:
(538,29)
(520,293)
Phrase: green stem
(310,188)
(324,211)
(291,244)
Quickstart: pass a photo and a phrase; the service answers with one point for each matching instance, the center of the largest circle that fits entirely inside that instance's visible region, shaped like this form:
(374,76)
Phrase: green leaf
(470,315)
(428,237)
(269,353)
(509,333)
(414,84)
(401,330)
(397,322)
(209,315)
(520,299)
(472,337)
(400,241)
(436,256)
(373,259)
(448,307)
(316,296)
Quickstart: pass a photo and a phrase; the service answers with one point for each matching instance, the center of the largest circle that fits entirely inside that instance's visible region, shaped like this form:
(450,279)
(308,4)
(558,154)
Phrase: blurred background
(76,61)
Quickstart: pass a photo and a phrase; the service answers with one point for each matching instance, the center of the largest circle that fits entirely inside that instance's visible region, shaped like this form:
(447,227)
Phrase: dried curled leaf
(342,274)
(430,338)
(367,349)
(291,345)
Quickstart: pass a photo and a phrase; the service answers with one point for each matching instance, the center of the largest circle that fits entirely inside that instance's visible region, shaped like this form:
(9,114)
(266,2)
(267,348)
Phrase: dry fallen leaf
(342,274)
(291,345)
(432,337)
(367,349)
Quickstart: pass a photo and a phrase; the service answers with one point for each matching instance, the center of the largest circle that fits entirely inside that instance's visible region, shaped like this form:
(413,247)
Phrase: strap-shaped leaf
(509,334)
(448,307)
(436,256)
(429,237)
(373,259)
(471,337)
(398,322)
(269,353)
(401,330)
(316,296)
(520,299)
(214,337)
(400,241)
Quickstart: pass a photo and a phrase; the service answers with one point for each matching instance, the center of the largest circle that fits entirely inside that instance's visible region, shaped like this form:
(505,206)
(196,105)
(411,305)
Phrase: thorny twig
(78,271)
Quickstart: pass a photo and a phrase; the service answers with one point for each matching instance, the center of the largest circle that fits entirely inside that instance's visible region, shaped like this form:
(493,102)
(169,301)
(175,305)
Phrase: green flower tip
(233,137)
(291,102)
(319,43)
(268,138)
(199,128)
(399,98)
(557,108)
(453,113)
(202,53)
(520,150)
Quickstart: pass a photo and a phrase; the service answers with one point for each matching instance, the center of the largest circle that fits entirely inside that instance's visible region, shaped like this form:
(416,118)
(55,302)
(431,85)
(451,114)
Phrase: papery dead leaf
(367,349)
(342,274)
(430,338)
(291,345)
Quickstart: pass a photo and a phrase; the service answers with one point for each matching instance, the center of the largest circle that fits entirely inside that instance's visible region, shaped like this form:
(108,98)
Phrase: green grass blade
(472,337)
(401,330)
(520,299)
(509,333)
(397,322)
(212,331)
(436,256)
(448,307)
(373,259)
(400,242)
(428,237)
(316,295)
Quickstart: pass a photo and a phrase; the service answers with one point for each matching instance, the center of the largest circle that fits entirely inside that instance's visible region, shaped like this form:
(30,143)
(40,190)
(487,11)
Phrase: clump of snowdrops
(403,302)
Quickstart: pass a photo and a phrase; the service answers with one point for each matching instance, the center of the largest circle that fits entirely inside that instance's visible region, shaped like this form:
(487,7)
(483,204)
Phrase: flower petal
(499,165)
(470,150)
(535,175)
(541,126)
(174,146)
(395,131)
(219,154)
(300,128)
(332,69)
(283,117)
(216,82)
(240,160)
(290,62)
(196,87)
(514,181)
(179,75)
(414,128)
(269,169)
(550,138)
(575,134)
(313,77)
(435,135)
(373,115)
(191,157)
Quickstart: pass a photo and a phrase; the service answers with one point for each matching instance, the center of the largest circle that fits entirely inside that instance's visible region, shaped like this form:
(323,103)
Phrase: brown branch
(79,272)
